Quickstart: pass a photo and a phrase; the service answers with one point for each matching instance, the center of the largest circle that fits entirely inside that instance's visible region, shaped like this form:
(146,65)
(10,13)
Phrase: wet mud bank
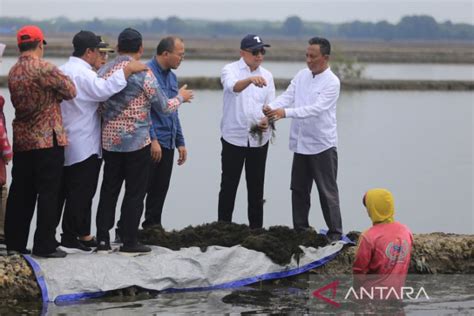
(291,49)
(208,83)
(435,253)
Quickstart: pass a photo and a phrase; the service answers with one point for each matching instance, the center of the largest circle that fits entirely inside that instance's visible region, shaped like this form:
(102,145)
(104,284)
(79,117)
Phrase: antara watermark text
(385,293)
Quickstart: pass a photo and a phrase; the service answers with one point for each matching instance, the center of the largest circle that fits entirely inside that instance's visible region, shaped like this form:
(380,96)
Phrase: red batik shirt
(37,87)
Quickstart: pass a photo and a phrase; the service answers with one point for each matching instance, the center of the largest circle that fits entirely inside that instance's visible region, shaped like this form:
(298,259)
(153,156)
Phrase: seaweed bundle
(279,243)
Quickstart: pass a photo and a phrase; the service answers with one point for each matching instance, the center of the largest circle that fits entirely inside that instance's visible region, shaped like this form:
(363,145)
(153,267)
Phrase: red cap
(28,34)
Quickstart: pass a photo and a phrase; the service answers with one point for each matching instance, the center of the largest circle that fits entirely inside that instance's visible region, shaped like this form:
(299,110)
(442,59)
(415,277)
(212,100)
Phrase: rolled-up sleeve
(228,79)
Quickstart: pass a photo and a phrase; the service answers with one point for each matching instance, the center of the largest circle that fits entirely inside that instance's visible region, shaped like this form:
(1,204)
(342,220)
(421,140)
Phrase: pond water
(419,145)
(292,295)
(286,70)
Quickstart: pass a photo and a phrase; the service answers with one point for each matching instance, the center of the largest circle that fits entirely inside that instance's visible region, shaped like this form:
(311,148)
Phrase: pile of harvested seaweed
(279,243)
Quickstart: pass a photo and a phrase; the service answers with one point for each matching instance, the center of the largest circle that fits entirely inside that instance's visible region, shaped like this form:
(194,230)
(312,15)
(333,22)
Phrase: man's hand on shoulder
(133,67)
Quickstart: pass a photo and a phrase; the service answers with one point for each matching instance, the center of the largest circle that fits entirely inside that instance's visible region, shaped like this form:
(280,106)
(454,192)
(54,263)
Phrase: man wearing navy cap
(247,87)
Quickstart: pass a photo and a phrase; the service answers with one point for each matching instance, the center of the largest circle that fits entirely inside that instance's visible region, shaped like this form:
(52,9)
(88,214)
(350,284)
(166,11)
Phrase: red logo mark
(331,286)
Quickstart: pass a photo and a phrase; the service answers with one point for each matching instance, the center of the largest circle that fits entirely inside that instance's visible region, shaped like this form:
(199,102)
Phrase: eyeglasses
(180,55)
(256,51)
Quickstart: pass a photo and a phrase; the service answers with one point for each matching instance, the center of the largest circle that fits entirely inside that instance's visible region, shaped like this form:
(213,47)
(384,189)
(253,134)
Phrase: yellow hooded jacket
(380,206)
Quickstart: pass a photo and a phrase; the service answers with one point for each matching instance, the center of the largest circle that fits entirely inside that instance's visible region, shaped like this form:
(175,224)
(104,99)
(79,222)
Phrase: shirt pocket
(314,95)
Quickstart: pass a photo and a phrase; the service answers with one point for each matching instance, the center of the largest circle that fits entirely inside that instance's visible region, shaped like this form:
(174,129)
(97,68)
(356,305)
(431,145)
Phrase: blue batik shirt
(126,115)
(167,128)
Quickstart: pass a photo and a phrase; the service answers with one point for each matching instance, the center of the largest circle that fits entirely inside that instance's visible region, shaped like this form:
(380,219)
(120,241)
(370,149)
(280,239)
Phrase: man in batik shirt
(37,87)
(126,145)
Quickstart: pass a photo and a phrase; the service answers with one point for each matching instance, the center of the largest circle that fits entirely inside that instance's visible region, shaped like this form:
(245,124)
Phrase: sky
(333,11)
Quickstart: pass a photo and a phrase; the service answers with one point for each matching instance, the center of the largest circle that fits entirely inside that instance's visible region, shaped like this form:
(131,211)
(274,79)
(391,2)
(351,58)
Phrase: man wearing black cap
(247,87)
(104,51)
(126,143)
(82,156)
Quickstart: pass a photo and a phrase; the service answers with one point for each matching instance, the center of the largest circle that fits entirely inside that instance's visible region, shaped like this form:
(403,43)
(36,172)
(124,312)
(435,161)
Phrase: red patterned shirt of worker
(37,87)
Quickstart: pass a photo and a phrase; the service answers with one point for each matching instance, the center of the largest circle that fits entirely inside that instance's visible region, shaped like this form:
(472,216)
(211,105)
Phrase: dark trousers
(158,184)
(36,176)
(133,168)
(233,159)
(322,168)
(79,184)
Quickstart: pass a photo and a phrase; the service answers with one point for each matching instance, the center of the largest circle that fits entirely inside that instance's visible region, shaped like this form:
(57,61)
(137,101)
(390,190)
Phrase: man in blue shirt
(166,132)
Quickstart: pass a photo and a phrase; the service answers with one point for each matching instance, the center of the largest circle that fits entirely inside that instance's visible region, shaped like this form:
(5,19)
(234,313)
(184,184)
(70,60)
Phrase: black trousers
(158,184)
(322,169)
(78,187)
(36,178)
(133,168)
(233,159)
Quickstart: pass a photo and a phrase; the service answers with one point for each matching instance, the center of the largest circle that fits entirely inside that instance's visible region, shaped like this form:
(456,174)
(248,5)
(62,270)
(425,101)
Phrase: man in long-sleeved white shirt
(247,87)
(82,155)
(310,101)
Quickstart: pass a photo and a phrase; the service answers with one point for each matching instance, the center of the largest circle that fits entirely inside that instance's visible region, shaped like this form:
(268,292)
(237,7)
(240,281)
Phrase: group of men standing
(310,99)
(69,119)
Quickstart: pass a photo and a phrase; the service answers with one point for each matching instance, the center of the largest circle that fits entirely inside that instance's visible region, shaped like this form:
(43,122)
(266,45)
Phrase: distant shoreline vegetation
(415,27)
(348,84)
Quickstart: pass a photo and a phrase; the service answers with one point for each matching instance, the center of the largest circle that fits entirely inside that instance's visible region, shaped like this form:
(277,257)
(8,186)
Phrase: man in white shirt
(247,87)
(82,155)
(311,100)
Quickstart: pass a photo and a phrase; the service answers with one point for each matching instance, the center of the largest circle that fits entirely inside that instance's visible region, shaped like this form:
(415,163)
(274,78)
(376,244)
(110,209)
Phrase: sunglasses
(257,51)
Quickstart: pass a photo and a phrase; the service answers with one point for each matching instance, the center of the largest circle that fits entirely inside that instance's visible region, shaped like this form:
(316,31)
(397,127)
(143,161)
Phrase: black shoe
(308,229)
(117,240)
(12,252)
(333,237)
(103,247)
(56,254)
(74,246)
(134,249)
(89,243)
(146,225)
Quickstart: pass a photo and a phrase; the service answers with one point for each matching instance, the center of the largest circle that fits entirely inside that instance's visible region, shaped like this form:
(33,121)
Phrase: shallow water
(445,295)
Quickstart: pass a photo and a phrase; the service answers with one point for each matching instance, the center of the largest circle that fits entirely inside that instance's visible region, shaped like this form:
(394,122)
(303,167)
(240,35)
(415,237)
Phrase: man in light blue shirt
(166,132)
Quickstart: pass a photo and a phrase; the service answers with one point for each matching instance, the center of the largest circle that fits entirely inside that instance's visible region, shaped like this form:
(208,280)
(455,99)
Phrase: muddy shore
(435,253)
